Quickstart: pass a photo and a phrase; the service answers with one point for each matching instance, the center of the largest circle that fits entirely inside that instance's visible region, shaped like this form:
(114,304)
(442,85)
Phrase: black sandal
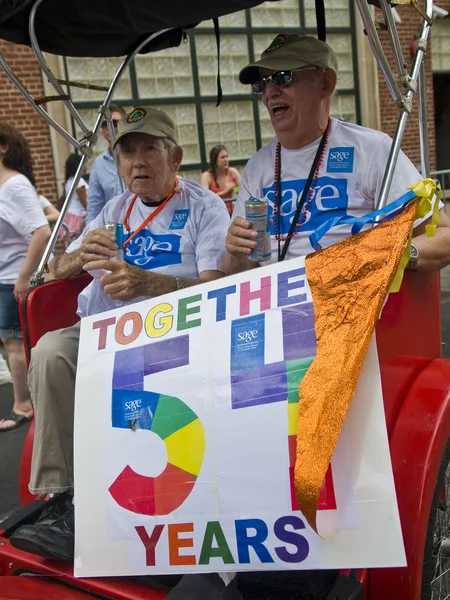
(18,421)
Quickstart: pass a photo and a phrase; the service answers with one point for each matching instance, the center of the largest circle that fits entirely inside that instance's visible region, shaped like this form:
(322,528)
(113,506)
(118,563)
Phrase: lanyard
(150,218)
(307,195)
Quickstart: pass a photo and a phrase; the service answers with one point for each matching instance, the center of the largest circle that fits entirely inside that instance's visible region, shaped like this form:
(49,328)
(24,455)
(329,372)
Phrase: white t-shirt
(43,202)
(349,182)
(185,239)
(20,215)
(75,206)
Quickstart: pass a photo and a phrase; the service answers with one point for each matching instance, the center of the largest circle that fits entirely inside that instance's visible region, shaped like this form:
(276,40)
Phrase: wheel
(436,564)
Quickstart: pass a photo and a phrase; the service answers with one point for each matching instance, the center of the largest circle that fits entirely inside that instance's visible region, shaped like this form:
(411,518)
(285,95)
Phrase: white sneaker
(5,375)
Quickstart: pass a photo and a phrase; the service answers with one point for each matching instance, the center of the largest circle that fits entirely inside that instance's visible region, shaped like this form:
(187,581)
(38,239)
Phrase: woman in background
(76,213)
(50,211)
(220,178)
(24,233)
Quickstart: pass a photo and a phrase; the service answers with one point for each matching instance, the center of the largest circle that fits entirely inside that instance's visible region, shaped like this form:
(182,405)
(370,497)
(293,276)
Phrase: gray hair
(170,146)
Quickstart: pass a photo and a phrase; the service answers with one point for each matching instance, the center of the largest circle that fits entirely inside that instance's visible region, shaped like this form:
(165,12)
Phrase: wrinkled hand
(124,282)
(21,285)
(97,245)
(241,238)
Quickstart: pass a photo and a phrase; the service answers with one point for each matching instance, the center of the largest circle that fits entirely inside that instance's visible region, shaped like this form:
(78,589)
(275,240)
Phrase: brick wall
(15,109)
(408,30)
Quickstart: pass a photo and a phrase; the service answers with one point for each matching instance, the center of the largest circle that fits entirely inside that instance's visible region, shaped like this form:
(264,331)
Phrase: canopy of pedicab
(108,27)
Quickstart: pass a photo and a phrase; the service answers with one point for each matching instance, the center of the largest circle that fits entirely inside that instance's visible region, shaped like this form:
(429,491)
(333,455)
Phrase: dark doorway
(442,118)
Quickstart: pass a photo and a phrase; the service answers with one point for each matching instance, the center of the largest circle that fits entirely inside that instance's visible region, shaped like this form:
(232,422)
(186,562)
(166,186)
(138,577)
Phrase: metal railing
(444,178)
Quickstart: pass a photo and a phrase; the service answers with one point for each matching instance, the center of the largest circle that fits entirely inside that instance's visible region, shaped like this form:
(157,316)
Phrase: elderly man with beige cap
(173,237)
(317,167)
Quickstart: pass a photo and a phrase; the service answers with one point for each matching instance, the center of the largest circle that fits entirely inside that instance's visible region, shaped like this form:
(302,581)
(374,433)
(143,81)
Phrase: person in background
(50,211)
(220,178)
(76,213)
(104,182)
(24,233)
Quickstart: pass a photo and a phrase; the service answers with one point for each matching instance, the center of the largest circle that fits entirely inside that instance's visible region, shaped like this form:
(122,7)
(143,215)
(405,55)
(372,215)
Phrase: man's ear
(177,158)
(329,83)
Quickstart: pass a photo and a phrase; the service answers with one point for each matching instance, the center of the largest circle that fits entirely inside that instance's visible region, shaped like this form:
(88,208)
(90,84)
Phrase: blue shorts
(9,313)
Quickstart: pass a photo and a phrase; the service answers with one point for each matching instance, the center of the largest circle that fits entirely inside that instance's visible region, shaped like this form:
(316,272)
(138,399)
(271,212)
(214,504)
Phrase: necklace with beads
(305,200)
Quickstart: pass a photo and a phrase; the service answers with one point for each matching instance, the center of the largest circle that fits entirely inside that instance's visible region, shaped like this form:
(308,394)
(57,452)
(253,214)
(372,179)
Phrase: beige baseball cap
(147,120)
(291,51)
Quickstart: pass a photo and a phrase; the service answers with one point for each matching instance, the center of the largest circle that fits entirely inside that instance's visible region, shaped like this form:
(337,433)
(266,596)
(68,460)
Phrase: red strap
(150,218)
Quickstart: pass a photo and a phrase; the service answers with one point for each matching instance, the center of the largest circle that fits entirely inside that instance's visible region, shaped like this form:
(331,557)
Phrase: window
(440,41)
(183,80)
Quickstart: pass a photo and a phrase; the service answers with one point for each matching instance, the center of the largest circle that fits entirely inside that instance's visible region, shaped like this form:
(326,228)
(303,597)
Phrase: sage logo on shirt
(340,160)
(330,200)
(153,250)
(180,218)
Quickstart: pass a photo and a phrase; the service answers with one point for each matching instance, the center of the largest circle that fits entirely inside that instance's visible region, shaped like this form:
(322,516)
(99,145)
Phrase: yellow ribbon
(424,190)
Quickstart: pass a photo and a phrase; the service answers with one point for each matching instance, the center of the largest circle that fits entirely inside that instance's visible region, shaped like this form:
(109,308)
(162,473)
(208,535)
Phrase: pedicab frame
(415,379)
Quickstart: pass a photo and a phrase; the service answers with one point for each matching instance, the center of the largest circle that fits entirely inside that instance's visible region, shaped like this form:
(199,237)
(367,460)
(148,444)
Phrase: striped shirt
(104,184)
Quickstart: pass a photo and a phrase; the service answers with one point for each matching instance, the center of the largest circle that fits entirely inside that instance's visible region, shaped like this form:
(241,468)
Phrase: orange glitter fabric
(349,283)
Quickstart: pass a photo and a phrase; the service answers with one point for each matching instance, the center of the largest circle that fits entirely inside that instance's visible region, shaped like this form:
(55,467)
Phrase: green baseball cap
(147,120)
(291,51)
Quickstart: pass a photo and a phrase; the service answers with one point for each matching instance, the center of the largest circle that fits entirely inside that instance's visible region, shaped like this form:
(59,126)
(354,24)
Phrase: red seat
(48,307)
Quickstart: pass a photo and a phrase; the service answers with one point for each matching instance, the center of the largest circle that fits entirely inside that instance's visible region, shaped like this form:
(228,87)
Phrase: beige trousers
(51,380)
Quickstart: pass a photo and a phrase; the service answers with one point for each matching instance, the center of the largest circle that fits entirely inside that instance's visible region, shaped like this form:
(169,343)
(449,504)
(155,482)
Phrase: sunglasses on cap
(279,79)
(104,124)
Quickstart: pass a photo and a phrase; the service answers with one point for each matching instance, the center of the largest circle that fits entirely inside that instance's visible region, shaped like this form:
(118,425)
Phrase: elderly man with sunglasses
(104,182)
(317,167)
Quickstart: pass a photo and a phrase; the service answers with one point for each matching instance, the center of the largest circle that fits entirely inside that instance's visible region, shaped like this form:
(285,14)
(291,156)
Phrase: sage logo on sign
(248,336)
(247,342)
(340,160)
(151,250)
(330,200)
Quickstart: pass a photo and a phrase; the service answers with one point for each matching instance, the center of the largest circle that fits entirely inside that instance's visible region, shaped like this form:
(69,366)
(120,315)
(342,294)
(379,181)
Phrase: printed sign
(185,434)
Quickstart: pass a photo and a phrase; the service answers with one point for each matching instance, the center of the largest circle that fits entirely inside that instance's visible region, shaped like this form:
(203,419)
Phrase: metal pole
(394,38)
(89,144)
(377,50)
(392,160)
(423,125)
(404,104)
(46,69)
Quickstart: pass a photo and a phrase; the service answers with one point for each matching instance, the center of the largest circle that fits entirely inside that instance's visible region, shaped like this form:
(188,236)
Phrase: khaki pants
(51,380)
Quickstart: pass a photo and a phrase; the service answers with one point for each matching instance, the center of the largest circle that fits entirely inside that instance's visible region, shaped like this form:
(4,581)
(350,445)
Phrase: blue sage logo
(247,342)
(340,160)
(151,250)
(330,200)
(180,218)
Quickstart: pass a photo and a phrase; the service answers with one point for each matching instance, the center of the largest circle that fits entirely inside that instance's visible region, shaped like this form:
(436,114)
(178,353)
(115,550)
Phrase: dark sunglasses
(279,79)
(104,124)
